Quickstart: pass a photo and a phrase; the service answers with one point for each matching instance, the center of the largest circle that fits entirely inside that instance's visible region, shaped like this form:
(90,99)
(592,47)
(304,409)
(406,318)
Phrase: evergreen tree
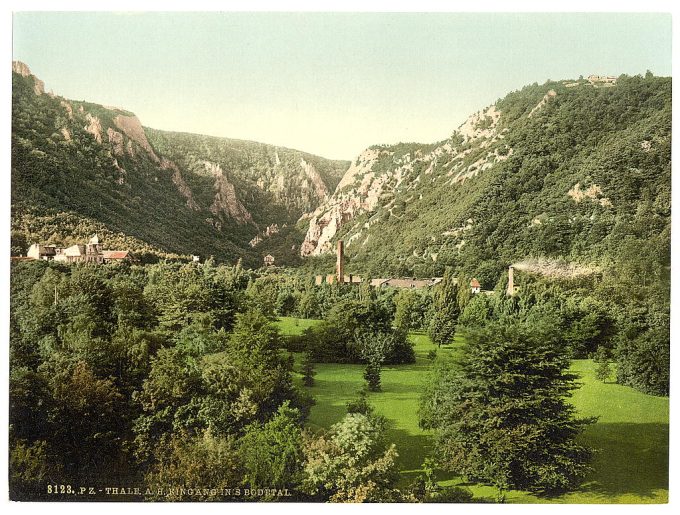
(442,327)
(502,415)
(372,375)
(374,348)
(604,369)
(360,404)
(308,372)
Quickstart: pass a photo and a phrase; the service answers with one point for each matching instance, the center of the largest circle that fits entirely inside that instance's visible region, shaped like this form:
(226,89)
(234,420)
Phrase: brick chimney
(340,264)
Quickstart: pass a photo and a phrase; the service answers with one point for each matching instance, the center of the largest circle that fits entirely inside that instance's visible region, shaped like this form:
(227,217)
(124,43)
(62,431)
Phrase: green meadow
(630,436)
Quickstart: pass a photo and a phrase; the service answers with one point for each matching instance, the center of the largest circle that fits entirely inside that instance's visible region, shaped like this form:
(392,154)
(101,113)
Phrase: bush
(506,420)
(644,362)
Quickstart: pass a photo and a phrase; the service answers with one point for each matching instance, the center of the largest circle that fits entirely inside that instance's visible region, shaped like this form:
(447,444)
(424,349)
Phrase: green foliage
(308,370)
(30,469)
(372,375)
(603,371)
(360,404)
(86,420)
(644,362)
(352,463)
(123,371)
(426,489)
(204,463)
(355,330)
(272,453)
(446,309)
(502,416)
(411,309)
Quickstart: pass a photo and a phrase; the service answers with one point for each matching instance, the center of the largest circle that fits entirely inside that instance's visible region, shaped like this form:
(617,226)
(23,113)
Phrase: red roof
(115,254)
(475,283)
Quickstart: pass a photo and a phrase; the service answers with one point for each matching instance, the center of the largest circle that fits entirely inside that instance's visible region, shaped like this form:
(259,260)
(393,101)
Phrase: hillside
(576,170)
(79,168)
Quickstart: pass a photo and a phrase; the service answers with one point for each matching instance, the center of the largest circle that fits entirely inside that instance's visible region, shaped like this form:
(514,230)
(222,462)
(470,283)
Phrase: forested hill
(80,168)
(576,169)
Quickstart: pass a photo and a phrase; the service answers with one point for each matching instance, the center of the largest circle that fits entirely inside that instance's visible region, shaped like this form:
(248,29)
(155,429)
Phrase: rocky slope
(564,169)
(169,193)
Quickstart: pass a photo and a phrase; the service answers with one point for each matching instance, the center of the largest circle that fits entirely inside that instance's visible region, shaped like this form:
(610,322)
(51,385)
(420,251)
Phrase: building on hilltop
(602,79)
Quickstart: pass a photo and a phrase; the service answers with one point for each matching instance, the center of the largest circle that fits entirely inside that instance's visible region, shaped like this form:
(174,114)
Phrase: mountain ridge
(571,169)
(566,166)
(213,199)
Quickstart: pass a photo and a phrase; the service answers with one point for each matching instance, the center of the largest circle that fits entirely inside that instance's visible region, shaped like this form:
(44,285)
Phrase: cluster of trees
(168,376)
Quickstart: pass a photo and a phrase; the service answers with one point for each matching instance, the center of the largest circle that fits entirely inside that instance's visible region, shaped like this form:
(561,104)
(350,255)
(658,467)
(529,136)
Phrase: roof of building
(406,283)
(44,249)
(115,254)
(475,283)
(75,250)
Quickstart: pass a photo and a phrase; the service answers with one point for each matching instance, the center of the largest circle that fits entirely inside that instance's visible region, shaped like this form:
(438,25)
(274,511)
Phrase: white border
(328,6)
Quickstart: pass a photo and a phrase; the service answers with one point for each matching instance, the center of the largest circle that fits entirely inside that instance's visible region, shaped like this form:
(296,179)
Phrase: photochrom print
(340,257)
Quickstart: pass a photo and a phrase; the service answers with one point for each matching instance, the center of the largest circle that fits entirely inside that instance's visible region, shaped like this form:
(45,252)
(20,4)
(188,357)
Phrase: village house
(269,260)
(475,287)
(90,252)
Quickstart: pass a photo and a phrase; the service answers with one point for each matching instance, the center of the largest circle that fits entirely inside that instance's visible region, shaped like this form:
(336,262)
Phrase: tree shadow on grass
(412,448)
(630,459)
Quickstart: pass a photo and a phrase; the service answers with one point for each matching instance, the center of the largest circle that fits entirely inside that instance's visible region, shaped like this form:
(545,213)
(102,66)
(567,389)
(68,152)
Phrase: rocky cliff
(380,177)
(177,193)
(561,169)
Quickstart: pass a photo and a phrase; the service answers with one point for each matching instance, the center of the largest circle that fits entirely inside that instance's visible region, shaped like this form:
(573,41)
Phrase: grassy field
(631,435)
(294,326)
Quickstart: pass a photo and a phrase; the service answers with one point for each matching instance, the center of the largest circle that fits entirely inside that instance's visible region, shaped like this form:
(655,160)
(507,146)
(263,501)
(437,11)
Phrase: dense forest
(174,374)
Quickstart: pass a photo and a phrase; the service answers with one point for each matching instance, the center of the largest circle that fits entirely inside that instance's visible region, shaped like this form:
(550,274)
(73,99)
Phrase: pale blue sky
(329,84)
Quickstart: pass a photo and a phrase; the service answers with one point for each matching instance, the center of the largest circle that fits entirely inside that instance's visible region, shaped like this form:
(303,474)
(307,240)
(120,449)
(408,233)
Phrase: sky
(330,84)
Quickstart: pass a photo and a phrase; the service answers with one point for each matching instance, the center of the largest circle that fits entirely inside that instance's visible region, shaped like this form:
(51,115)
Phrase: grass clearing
(291,326)
(631,433)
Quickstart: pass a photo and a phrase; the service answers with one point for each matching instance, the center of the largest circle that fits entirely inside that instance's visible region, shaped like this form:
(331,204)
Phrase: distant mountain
(576,169)
(79,168)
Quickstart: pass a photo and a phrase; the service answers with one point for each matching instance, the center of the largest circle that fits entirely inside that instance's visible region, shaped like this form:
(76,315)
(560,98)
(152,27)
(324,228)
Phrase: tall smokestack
(340,265)
(511,281)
